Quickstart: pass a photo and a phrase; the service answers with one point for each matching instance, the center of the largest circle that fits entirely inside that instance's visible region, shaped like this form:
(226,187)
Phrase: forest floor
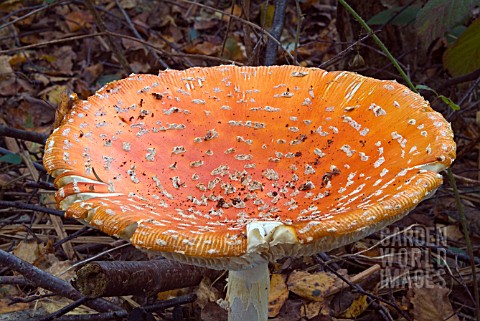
(419,268)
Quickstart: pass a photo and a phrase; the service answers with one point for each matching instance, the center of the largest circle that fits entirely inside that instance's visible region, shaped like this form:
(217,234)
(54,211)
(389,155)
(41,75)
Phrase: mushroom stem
(248,293)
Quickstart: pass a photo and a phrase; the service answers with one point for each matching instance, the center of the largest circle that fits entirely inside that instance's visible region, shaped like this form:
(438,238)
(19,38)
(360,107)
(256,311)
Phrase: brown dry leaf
(54,94)
(6,69)
(237,11)
(29,113)
(453,232)
(278,294)
(129,4)
(315,287)
(213,312)
(91,73)
(291,310)
(313,309)
(358,306)
(77,20)
(53,304)
(206,293)
(6,308)
(59,268)
(29,251)
(8,6)
(432,304)
(63,62)
(204,23)
(203,48)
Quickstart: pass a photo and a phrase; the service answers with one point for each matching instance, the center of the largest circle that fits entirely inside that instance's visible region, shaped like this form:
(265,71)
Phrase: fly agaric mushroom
(233,167)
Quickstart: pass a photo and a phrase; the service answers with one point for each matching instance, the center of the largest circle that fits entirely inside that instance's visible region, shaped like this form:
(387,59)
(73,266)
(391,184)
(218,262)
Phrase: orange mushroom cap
(226,164)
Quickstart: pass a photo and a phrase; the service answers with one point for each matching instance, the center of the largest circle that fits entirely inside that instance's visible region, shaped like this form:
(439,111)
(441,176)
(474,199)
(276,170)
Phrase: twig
(49,282)
(185,299)
(23,134)
(461,79)
(276,31)
(65,309)
(114,46)
(26,206)
(343,52)
(137,34)
(230,19)
(468,242)
(369,295)
(70,237)
(298,29)
(17,280)
(171,303)
(247,30)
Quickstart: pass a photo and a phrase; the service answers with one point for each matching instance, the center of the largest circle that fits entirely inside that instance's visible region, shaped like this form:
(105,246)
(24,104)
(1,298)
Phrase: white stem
(248,293)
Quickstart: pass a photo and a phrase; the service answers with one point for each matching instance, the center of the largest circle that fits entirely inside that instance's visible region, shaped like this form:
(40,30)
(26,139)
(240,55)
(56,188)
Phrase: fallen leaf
(315,287)
(291,310)
(6,69)
(312,309)
(206,293)
(92,72)
(462,57)
(432,303)
(29,251)
(213,312)
(77,20)
(129,4)
(358,306)
(203,48)
(278,294)
(204,23)
(53,304)
(54,94)
(5,307)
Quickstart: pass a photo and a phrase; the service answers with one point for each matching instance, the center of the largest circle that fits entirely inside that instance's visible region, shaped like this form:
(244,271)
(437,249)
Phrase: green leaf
(445,99)
(11,159)
(402,17)
(438,16)
(463,56)
(425,87)
(449,102)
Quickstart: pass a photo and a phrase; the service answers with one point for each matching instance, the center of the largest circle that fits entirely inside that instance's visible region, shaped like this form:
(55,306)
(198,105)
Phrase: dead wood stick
(23,134)
(115,47)
(116,315)
(17,280)
(105,278)
(276,31)
(33,207)
(49,282)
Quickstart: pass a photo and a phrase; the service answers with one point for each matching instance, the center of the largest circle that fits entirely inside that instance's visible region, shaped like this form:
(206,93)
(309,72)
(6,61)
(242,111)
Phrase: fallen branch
(26,206)
(115,315)
(23,134)
(117,278)
(51,283)
(276,31)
